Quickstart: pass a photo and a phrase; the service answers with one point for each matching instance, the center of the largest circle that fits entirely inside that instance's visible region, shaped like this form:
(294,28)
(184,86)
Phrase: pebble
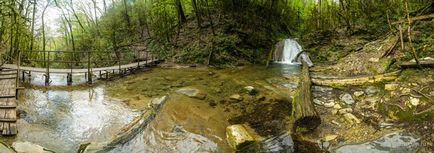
(330,137)
(347,98)
(375,60)
(405,90)
(336,123)
(371,90)
(318,102)
(351,118)
(337,106)
(414,101)
(358,93)
(236,97)
(391,86)
(329,104)
(345,110)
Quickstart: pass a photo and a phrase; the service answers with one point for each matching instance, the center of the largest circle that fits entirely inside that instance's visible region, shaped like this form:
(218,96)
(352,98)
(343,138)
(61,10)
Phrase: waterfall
(286,52)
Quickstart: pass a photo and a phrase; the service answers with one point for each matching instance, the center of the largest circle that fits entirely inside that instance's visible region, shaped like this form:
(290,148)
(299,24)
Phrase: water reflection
(184,125)
(61,120)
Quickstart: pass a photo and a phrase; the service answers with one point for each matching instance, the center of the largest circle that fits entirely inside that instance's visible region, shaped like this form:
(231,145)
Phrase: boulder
(238,137)
(329,104)
(347,98)
(345,110)
(318,102)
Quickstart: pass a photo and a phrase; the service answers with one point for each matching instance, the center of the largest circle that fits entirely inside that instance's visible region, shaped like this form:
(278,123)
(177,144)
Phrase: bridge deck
(8,114)
(43,70)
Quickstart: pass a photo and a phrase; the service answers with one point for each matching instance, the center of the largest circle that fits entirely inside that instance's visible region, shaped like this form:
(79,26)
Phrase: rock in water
(278,144)
(28,147)
(156,102)
(238,137)
(347,98)
(250,90)
(414,101)
(192,92)
(350,118)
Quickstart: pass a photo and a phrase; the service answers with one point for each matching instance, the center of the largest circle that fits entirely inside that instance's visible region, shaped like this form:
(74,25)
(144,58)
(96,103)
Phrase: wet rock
(282,143)
(350,118)
(394,143)
(318,102)
(330,137)
(236,97)
(329,104)
(347,98)
(5,149)
(371,90)
(250,90)
(414,101)
(391,86)
(157,102)
(358,93)
(238,137)
(21,113)
(28,147)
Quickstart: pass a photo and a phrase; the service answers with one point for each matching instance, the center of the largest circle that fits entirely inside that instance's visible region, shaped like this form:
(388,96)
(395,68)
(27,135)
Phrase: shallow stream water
(62,119)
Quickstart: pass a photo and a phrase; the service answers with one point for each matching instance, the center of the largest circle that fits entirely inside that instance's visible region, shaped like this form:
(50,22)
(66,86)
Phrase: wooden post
(119,59)
(18,74)
(89,72)
(47,76)
(401,37)
(146,61)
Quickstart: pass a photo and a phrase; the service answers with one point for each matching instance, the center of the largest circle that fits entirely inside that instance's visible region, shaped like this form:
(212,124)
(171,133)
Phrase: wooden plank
(10,114)
(13,129)
(1,126)
(5,129)
(7,96)
(6,120)
(8,78)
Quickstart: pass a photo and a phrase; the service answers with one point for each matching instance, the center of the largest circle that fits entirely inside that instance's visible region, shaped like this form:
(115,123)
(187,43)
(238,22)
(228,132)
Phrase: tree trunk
(196,11)
(181,15)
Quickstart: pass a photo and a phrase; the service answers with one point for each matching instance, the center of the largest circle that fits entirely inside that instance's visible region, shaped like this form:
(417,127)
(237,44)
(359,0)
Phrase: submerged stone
(282,143)
(393,143)
(192,92)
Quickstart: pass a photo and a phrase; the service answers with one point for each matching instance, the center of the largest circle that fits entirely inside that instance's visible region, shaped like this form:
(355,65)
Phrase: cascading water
(288,51)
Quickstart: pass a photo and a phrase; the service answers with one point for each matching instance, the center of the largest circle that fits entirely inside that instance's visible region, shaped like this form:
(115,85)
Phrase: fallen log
(423,17)
(405,65)
(360,80)
(305,116)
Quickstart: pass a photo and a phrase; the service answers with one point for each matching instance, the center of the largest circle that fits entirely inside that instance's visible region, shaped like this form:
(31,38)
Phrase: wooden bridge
(140,59)
(11,74)
(8,94)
